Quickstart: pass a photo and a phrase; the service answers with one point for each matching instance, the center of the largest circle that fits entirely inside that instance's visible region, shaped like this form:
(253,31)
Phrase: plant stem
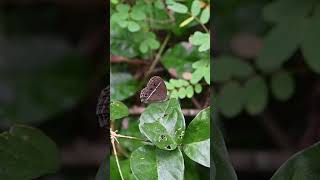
(202,25)
(115,153)
(158,56)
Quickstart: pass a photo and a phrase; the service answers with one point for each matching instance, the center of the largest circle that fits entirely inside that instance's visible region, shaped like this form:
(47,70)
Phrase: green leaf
(200,39)
(286,10)
(205,15)
(26,153)
(280,44)
(133,26)
(282,86)
(303,165)
(122,86)
(230,99)
(122,8)
(256,95)
(177,7)
(198,88)
(195,8)
(197,75)
(143,47)
(180,57)
(182,93)
(137,13)
(189,91)
(174,94)
(159,4)
(114,172)
(186,22)
(169,85)
(222,169)
(163,123)
(153,43)
(311,42)
(148,162)
(132,130)
(197,138)
(118,110)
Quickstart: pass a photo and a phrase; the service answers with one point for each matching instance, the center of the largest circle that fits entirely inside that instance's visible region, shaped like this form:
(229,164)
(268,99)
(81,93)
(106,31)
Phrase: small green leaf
(280,44)
(118,110)
(311,42)
(133,26)
(205,15)
(197,75)
(186,22)
(143,47)
(198,88)
(282,85)
(148,162)
(153,43)
(122,8)
(230,99)
(177,7)
(123,23)
(122,86)
(195,8)
(256,95)
(159,4)
(174,94)
(200,39)
(169,85)
(182,93)
(197,138)
(303,165)
(137,13)
(189,91)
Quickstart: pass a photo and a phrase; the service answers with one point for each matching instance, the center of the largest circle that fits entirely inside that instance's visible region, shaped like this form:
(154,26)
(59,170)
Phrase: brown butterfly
(102,110)
(155,91)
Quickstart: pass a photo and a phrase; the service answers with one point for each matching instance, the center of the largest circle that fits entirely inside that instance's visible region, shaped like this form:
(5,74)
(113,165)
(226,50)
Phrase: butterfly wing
(102,110)
(155,91)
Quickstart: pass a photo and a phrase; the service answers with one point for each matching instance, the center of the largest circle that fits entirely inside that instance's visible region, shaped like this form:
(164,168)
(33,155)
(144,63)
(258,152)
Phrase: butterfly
(102,110)
(155,91)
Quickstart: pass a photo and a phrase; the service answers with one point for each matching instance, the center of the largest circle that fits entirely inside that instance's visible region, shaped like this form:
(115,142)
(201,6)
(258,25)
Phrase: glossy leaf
(177,7)
(149,162)
(286,10)
(163,124)
(122,86)
(26,153)
(280,44)
(195,8)
(303,165)
(196,143)
(222,168)
(256,95)
(311,42)
(205,15)
(133,26)
(200,39)
(230,99)
(118,110)
(282,85)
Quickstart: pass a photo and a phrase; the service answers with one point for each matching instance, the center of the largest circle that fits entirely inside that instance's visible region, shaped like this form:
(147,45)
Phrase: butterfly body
(155,91)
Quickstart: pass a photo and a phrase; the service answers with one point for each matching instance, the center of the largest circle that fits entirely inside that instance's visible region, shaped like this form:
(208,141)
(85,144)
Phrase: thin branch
(115,152)
(196,102)
(158,56)
(121,59)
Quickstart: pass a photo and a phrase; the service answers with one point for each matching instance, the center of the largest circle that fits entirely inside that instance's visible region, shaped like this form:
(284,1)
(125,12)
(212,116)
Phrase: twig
(202,25)
(195,102)
(157,58)
(115,152)
(121,59)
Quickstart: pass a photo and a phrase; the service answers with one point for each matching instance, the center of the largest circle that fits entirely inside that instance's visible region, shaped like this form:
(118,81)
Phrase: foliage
(26,153)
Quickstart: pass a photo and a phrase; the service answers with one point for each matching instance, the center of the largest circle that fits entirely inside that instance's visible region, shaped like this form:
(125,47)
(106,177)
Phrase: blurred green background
(52,68)
(265,71)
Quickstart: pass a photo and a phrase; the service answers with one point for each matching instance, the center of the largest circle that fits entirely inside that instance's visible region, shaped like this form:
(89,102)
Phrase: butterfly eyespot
(169,147)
